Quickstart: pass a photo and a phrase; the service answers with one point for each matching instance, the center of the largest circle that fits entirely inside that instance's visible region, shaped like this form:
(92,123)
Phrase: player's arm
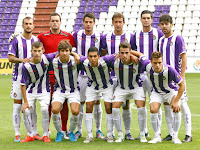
(136,53)
(184,64)
(77,57)
(14,59)
(103,52)
(175,103)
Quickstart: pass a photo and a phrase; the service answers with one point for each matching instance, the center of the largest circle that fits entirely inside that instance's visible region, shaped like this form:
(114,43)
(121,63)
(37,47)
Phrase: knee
(55,110)
(75,112)
(108,109)
(153,110)
(89,108)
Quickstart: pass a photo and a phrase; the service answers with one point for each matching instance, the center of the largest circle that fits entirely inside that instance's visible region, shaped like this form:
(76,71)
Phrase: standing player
(165,80)
(146,42)
(66,73)
(172,47)
(19,53)
(85,39)
(129,87)
(51,40)
(111,43)
(35,86)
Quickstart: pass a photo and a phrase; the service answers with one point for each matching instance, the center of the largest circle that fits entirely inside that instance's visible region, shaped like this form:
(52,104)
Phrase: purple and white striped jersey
(147,42)
(111,41)
(84,42)
(171,48)
(36,76)
(162,82)
(127,75)
(66,74)
(20,48)
(99,76)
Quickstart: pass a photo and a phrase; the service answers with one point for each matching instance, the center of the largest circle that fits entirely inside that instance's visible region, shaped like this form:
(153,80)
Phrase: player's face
(64,54)
(55,23)
(157,64)
(118,24)
(37,52)
(146,20)
(93,58)
(166,27)
(88,24)
(124,55)
(28,25)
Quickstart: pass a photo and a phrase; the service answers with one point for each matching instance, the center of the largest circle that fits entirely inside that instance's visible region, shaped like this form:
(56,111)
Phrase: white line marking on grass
(133,106)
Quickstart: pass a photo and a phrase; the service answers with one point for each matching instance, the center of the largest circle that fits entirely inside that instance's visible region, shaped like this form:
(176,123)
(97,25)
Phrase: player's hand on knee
(14,35)
(176,107)
(24,106)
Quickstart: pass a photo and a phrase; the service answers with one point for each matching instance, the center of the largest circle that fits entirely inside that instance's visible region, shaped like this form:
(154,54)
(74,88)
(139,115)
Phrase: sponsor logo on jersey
(118,68)
(33,71)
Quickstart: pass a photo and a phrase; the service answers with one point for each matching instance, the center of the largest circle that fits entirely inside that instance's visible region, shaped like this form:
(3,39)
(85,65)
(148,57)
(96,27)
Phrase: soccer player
(19,53)
(98,72)
(111,43)
(66,73)
(146,42)
(85,39)
(129,87)
(35,86)
(172,47)
(51,40)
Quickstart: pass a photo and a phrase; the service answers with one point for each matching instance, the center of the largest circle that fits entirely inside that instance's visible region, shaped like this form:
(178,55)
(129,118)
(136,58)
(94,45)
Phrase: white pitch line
(134,107)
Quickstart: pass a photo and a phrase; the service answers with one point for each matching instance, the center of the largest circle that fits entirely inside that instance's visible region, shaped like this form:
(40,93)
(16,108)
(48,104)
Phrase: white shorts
(121,95)
(93,95)
(16,92)
(114,82)
(44,99)
(58,96)
(161,98)
(146,83)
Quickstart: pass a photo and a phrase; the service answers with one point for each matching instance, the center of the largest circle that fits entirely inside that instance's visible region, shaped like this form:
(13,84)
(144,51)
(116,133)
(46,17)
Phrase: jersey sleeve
(13,47)
(109,59)
(180,45)
(104,45)
(174,75)
(24,78)
(71,40)
(50,56)
(134,46)
(143,63)
(81,66)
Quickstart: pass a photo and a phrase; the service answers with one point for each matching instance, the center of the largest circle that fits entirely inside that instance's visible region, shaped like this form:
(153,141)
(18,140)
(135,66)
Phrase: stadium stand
(185,14)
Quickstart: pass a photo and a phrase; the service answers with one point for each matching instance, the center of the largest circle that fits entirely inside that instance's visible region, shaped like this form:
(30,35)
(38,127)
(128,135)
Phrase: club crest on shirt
(134,70)
(178,76)
(171,43)
(126,40)
(15,94)
(154,37)
(96,40)
(164,78)
(196,65)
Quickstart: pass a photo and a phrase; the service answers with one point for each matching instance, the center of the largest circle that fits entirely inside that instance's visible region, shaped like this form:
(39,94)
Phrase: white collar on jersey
(147,32)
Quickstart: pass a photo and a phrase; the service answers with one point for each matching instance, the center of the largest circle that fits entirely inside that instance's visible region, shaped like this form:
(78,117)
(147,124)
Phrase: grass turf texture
(7,131)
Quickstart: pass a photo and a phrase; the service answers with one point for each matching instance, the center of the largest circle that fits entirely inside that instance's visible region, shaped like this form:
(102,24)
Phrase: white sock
(176,123)
(145,118)
(27,121)
(89,123)
(187,118)
(117,120)
(80,118)
(109,121)
(98,116)
(154,123)
(16,118)
(141,119)
(160,119)
(45,120)
(56,121)
(169,118)
(73,123)
(34,121)
(126,115)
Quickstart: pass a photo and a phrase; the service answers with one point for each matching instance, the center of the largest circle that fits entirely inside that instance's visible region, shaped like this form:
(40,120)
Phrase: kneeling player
(35,77)
(98,72)
(66,73)
(164,79)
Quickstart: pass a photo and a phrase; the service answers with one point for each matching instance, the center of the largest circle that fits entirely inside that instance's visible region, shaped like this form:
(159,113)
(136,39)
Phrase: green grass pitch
(7,131)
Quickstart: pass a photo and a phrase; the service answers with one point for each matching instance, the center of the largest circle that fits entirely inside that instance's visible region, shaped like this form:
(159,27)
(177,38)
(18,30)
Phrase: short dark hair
(156,55)
(89,15)
(37,44)
(125,45)
(93,49)
(28,18)
(166,17)
(118,15)
(55,14)
(146,12)
(64,44)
